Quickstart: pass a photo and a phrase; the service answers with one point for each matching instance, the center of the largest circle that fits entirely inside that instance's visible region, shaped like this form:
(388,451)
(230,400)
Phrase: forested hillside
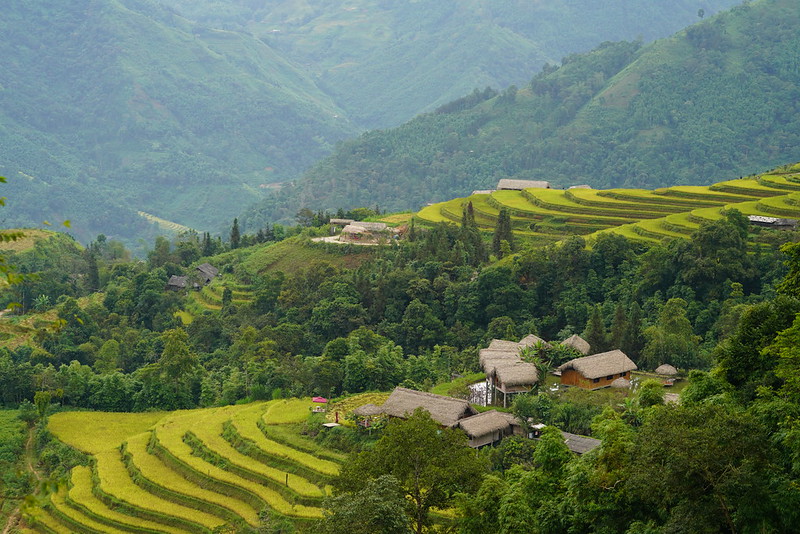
(109,108)
(714,101)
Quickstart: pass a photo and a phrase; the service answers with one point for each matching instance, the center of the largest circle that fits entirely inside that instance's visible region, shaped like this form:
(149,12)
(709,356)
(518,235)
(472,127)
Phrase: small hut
(621,383)
(666,370)
(578,343)
(488,428)
(598,370)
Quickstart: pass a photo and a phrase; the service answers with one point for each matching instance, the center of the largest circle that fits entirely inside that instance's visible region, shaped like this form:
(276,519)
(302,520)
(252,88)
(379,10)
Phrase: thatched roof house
(519,185)
(516,377)
(446,411)
(371,226)
(598,370)
(531,341)
(207,272)
(666,370)
(578,343)
(504,368)
(574,442)
(489,427)
(177,283)
(368,410)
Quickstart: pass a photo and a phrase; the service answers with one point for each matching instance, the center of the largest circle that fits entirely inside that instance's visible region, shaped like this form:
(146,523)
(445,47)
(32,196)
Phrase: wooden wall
(571,377)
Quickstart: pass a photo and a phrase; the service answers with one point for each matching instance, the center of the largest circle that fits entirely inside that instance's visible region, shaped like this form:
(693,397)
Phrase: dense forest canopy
(716,100)
(107,334)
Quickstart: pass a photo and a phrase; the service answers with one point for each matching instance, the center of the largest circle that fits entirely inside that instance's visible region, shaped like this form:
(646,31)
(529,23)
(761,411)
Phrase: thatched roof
(486,423)
(371,226)
(485,355)
(208,270)
(178,282)
(444,410)
(600,365)
(341,222)
(353,229)
(580,444)
(368,410)
(621,383)
(503,344)
(517,374)
(666,370)
(519,185)
(578,343)
(531,341)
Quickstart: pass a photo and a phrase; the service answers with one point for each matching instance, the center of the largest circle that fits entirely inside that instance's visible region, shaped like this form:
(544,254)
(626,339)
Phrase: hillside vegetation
(115,107)
(714,101)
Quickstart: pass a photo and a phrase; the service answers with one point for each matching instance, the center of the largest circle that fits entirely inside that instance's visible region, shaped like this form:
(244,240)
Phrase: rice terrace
(543,216)
(197,471)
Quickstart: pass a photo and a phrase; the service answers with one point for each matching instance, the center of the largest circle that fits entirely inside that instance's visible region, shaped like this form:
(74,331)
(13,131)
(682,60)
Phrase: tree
(378,508)
(235,236)
(502,232)
(595,333)
(707,466)
(671,340)
(431,466)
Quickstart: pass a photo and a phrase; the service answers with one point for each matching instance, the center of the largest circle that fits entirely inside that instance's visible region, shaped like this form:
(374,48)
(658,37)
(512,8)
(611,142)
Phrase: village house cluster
(507,375)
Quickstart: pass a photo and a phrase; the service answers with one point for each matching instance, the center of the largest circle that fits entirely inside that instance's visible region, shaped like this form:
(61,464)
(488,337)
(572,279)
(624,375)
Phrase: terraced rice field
(196,471)
(210,297)
(548,215)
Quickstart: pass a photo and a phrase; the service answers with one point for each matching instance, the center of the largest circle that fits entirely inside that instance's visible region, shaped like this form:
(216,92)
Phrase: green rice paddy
(541,216)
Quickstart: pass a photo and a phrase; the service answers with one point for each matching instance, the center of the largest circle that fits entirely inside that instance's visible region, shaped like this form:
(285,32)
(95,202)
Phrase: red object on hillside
(323,400)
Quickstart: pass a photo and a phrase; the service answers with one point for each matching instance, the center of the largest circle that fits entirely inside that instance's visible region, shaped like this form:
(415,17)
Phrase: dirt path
(30,459)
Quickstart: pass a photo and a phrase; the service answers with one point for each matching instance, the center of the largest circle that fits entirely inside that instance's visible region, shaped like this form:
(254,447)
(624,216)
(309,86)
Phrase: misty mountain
(384,62)
(716,100)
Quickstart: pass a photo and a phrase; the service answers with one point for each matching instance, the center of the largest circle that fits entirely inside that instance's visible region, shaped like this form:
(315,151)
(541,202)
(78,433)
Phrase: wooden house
(596,371)
(514,377)
(506,373)
(490,427)
(776,223)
